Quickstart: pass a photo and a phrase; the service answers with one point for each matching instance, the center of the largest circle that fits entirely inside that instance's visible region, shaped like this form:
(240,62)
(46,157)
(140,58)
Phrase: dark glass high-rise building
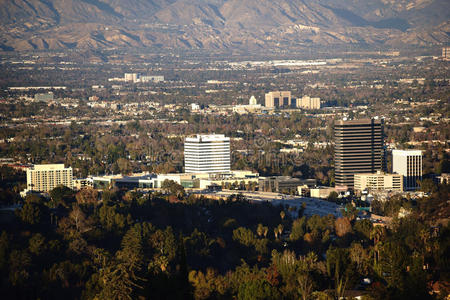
(359,148)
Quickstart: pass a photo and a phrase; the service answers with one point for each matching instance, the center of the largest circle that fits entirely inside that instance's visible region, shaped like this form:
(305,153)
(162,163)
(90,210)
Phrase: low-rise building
(307,102)
(283,184)
(378,181)
(321,192)
(44,97)
(187,180)
(251,107)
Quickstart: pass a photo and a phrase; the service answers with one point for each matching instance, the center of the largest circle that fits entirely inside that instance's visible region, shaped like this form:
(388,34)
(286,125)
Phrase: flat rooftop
(208,138)
(48,167)
(357,122)
(406,152)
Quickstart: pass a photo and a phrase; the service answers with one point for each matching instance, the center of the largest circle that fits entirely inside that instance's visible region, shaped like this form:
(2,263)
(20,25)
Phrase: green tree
(31,213)
(37,244)
(298,229)
(61,196)
(257,289)
(244,236)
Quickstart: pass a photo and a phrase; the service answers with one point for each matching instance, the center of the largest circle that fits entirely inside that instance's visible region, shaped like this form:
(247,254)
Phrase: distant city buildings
(446,53)
(409,164)
(131,77)
(148,78)
(284,184)
(285,100)
(44,97)
(278,99)
(379,181)
(155,181)
(44,178)
(251,107)
(138,78)
(359,148)
(307,102)
(207,154)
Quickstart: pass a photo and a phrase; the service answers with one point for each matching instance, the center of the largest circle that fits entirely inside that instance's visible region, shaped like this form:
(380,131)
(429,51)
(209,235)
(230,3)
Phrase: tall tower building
(409,164)
(278,99)
(44,178)
(359,148)
(207,154)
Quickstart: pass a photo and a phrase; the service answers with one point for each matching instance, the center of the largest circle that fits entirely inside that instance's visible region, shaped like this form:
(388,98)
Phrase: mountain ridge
(220,24)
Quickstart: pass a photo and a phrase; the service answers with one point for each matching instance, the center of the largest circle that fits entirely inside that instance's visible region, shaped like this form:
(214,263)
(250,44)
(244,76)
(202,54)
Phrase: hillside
(220,24)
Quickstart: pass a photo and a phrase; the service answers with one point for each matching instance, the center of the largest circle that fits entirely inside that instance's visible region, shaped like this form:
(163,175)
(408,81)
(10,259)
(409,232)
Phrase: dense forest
(117,244)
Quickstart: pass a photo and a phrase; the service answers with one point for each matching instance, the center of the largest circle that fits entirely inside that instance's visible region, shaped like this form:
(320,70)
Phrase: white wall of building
(207,154)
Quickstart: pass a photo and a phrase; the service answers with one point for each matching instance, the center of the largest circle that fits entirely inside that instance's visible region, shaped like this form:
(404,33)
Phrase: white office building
(207,154)
(44,178)
(409,164)
(379,181)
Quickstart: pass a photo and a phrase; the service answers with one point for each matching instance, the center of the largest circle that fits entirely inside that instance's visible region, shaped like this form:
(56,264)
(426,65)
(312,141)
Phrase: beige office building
(44,178)
(306,102)
(446,53)
(278,99)
(379,181)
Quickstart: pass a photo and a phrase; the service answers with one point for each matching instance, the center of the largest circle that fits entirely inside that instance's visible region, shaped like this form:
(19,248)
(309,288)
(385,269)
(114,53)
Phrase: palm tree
(377,235)
(260,229)
(280,229)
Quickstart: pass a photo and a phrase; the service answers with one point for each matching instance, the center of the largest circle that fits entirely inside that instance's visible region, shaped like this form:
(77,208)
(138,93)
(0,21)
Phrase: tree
(305,285)
(19,265)
(4,251)
(37,244)
(79,220)
(377,234)
(333,196)
(31,213)
(363,228)
(244,236)
(359,256)
(260,230)
(61,196)
(338,267)
(280,229)
(87,196)
(170,186)
(428,186)
(258,289)
(343,227)
(350,212)
(124,166)
(298,229)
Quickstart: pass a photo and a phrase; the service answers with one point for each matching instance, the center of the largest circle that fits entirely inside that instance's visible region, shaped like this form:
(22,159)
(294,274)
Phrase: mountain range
(221,24)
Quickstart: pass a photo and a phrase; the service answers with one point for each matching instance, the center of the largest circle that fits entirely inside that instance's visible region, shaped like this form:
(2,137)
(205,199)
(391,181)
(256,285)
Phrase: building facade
(153,78)
(359,148)
(278,99)
(131,77)
(409,164)
(283,184)
(207,154)
(44,178)
(44,97)
(306,102)
(446,53)
(379,181)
